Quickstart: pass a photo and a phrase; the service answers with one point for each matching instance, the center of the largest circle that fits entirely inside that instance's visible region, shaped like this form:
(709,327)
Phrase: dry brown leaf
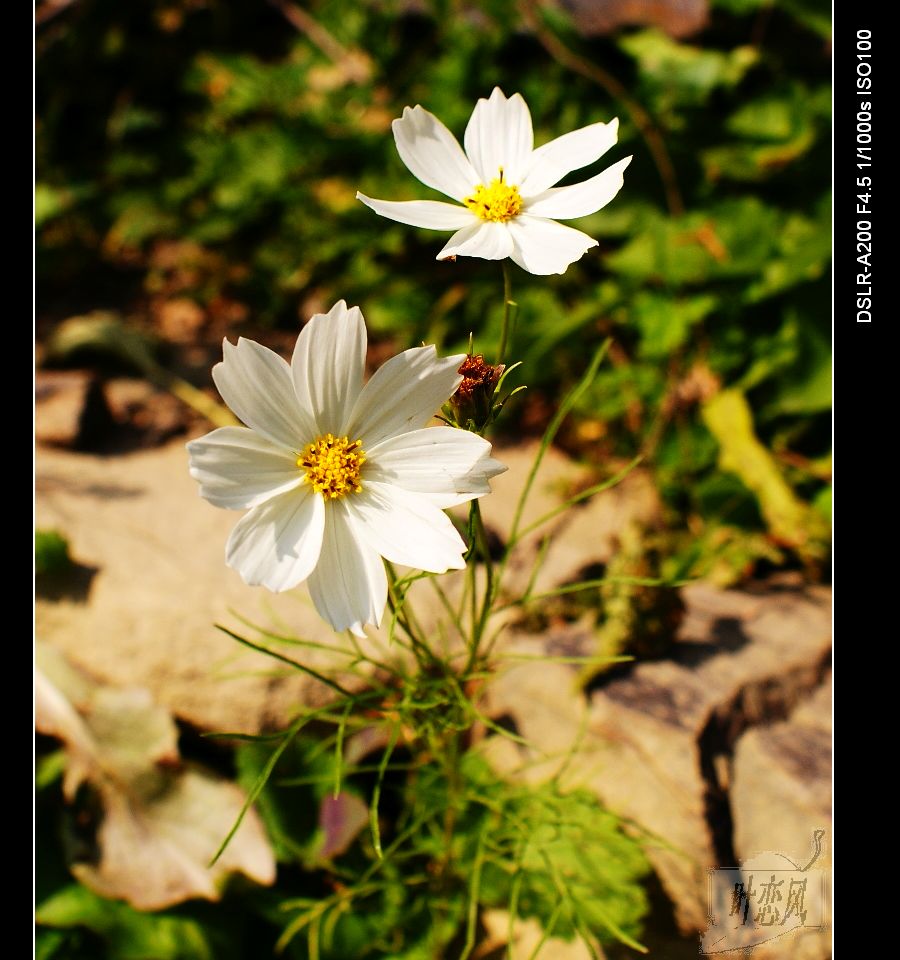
(155,849)
(162,822)
(790,521)
(678,18)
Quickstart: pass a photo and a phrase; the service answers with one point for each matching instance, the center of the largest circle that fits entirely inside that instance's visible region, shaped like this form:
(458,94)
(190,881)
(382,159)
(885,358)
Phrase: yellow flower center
(498,203)
(332,465)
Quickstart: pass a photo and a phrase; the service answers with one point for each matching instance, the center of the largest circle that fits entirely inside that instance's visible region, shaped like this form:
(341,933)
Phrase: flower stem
(479,621)
(404,617)
(508,311)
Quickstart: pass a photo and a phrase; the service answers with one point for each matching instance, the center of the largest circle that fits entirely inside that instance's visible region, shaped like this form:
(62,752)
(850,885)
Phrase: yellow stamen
(498,202)
(332,465)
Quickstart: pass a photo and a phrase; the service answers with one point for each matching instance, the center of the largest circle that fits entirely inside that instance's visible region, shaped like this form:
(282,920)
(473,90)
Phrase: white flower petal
(499,136)
(485,239)
(406,528)
(572,151)
(237,468)
(445,465)
(544,246)
(328,365)
(349,585)
(256,385)
(277,543)
(403,395)
(432,154)
(564,203)
(430,214)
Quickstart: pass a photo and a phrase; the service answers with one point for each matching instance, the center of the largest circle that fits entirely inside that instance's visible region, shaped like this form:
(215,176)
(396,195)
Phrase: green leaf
(734,238)
(811,14)
(547,836)
(803,255)
(810,392)
(130,935)
(665,322)
(51,552)
(822,503)
(688,72)
(290,813)
(741,7)
(51,202)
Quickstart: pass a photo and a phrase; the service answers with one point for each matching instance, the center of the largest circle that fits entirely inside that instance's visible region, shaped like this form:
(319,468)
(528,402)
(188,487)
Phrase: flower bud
(473,401)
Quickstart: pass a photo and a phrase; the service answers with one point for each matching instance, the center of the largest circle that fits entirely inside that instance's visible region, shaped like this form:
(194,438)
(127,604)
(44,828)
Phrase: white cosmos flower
(337,475)
(509,204)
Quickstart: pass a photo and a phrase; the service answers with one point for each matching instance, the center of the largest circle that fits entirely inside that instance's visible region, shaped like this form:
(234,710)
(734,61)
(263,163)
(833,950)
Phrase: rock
(557,478)
(159,584)
(579,538)
(542,701)
(655,742)
(529,942)
(148,614)
(81,411)
(590,533)
(785,768)
(670,726)
(147,415)
(780,796)
(71,409)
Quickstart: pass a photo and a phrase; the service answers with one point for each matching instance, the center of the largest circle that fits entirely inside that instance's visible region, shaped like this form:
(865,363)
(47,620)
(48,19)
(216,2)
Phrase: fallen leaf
(341,818)
(155,848)
(790,521)
(162,821)
(678,18)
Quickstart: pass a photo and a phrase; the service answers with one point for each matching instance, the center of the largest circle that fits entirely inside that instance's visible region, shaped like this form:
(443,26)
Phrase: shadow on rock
(73,583)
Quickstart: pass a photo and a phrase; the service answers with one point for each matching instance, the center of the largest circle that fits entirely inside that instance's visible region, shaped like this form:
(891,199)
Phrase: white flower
(337,475)
(505,186)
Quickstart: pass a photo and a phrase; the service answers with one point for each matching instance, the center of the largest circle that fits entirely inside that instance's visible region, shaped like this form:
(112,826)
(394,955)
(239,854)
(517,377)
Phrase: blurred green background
(197,163)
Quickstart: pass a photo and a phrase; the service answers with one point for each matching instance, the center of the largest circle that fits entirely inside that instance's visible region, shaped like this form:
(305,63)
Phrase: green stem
(508,316)
(404,617)
(481,540)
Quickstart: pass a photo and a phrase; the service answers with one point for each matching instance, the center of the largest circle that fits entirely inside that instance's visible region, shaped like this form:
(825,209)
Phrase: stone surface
(84,412)
(61,397)
(528,941)
(152,581)
(670,726)
(147,616)
(580,537)
(557,478)
(655,742)
(779,773)
(780,797)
